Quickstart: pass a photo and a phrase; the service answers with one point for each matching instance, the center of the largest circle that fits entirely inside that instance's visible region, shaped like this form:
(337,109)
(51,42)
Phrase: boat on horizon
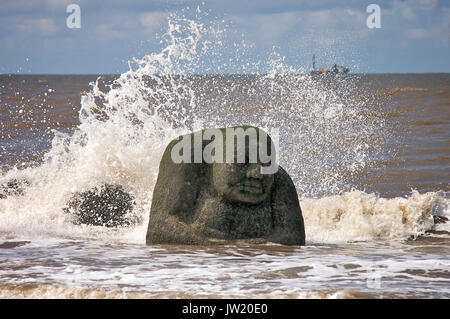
(335,69)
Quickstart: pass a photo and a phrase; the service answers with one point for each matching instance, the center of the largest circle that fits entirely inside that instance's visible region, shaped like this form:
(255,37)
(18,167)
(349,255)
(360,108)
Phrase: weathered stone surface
(108,206)
(201,204)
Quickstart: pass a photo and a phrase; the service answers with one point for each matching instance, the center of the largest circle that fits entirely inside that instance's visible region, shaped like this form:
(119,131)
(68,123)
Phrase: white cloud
(269,27)
(429,4)
(441,30)
(59,4)
(414,20)
(27,6)
(152,21)
(416,34)
(343,19)
(45,27)
(107,32)
(328,25)
(402,9)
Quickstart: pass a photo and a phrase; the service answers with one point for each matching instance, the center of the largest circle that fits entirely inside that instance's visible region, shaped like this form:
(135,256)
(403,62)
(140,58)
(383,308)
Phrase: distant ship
(335,69)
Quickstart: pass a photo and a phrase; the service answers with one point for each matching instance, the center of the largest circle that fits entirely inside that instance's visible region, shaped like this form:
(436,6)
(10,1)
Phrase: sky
(413,35)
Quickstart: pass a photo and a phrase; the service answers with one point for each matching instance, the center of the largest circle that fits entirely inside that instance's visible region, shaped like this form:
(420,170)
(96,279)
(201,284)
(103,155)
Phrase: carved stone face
(242,183)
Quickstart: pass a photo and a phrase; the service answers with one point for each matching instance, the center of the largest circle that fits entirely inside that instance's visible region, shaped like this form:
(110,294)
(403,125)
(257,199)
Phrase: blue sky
(414,34)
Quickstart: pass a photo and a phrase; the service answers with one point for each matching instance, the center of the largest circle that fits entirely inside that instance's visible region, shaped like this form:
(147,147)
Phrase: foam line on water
(358,216)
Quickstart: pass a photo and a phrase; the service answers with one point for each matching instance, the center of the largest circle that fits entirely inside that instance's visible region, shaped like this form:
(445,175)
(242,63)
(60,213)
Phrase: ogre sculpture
(207,198)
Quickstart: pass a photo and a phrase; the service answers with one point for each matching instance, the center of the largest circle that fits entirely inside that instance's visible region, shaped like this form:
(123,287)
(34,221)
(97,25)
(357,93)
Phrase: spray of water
(326,131)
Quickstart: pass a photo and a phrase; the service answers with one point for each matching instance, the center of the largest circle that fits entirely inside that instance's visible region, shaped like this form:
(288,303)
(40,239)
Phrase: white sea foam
(121,139)
(46,268)
(353,216)
(358,216)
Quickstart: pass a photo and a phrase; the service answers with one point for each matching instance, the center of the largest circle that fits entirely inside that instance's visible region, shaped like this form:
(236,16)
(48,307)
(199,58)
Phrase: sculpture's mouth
(251,186)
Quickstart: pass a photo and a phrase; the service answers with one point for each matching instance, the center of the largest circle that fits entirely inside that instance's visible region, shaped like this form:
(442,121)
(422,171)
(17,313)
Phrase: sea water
(368,155)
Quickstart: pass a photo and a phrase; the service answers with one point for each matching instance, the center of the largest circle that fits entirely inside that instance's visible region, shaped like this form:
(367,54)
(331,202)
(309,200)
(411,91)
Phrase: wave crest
(359,216)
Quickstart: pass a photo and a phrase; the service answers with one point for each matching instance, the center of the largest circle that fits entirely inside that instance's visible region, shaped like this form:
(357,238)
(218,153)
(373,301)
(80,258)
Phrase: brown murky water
(368,234)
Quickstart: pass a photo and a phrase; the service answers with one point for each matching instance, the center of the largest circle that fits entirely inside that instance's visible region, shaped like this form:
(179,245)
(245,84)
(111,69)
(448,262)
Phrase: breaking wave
(125,126)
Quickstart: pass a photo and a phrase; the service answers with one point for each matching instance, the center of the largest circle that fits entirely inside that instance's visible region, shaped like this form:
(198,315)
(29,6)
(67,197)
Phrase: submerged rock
(214,202)
(108,206)
(440,219)
(14,187)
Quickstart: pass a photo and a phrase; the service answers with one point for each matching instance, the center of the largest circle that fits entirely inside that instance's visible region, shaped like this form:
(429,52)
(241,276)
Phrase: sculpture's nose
(254,171)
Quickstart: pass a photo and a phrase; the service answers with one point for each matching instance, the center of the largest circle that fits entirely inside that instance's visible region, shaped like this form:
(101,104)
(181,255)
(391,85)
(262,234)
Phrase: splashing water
(327,135)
